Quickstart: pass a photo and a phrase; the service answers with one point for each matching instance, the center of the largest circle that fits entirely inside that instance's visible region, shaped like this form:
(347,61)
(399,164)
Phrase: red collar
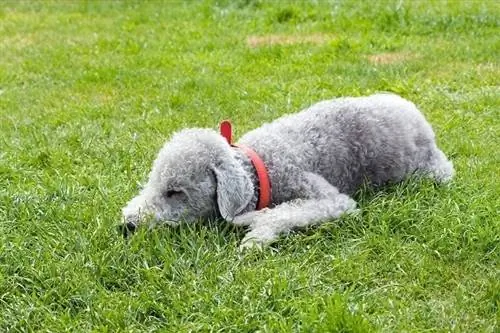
(258,164)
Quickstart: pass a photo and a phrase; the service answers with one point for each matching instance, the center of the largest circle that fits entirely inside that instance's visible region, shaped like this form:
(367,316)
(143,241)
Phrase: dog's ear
(234,188)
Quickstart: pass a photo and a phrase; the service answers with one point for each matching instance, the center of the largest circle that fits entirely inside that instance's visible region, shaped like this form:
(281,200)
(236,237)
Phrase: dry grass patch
(17,42)
(487,67)
(390,58)
(267,40)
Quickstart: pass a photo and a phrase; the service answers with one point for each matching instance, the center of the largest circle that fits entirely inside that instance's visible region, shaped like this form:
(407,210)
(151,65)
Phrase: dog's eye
(171,193)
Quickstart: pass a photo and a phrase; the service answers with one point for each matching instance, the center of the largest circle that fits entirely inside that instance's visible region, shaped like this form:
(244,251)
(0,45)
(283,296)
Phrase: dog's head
(195,176)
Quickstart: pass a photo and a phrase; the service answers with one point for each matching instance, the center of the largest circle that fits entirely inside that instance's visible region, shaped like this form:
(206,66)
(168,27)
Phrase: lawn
(89,91)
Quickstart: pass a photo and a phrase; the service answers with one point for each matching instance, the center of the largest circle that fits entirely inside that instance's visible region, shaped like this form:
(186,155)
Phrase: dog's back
(379,138)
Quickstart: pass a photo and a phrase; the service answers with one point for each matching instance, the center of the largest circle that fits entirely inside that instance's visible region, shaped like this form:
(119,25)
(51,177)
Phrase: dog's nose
(130,226)
(127,229)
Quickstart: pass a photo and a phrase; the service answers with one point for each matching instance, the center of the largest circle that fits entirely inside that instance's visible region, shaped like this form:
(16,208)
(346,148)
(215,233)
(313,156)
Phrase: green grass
(89,91)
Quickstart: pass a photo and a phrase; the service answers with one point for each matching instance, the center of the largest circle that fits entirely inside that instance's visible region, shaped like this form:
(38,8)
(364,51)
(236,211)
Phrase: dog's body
(315,159)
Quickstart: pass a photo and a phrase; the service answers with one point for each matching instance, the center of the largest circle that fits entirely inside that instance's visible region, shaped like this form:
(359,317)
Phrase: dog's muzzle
(127,229)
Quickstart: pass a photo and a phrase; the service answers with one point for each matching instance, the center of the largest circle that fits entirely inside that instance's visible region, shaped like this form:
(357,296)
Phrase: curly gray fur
(315,158)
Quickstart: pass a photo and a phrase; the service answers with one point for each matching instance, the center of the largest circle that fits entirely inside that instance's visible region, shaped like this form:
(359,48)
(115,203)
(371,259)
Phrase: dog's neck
(247,165)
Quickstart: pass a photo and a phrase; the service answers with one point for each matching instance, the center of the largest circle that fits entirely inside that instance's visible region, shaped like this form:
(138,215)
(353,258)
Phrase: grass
(90,90)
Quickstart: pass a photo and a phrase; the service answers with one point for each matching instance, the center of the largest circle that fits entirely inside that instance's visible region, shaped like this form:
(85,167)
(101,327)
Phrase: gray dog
(315,160)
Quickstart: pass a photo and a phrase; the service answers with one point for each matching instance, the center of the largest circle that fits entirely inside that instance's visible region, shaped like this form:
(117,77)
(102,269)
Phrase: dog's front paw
(252,244)
(258,238)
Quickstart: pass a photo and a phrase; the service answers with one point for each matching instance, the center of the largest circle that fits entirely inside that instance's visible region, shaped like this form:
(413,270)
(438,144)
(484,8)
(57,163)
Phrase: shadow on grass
(392,209)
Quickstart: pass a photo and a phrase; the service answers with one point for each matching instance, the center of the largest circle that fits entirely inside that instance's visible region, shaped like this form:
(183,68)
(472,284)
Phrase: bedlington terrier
(315,159)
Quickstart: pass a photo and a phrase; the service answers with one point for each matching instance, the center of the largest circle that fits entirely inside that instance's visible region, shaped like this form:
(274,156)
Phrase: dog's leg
(319,202)
(439,167)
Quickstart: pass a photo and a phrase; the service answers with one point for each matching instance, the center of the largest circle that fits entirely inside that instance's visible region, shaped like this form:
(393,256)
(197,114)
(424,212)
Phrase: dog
(296,171)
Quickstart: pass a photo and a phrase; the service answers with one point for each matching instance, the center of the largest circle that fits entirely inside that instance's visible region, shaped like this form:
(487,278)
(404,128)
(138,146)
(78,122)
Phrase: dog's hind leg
(438,167)
(320,202)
